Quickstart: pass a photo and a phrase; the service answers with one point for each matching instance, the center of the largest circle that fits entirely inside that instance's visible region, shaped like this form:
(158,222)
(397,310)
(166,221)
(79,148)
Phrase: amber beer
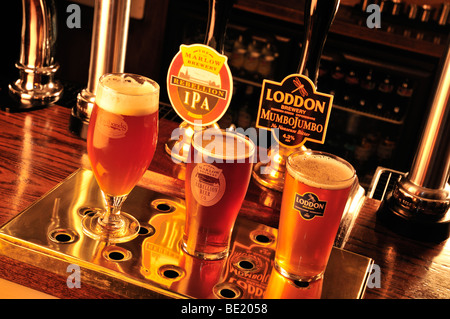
(123,131)
(315,193)
(218,172)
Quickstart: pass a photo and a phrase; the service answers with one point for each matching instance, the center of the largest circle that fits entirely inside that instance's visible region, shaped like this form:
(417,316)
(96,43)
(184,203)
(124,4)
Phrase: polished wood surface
(37,152)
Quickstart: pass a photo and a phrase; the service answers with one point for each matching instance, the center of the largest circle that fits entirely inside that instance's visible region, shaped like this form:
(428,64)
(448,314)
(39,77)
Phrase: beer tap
(318,18)
(418,205)
(218,14)
(108,49)
(36,86)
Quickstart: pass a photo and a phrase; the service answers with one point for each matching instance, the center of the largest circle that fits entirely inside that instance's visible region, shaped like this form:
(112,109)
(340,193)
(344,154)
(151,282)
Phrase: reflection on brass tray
(48,235)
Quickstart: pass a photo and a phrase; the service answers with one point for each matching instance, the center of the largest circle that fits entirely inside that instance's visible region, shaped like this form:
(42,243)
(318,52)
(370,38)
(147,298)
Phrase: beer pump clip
(290,130)
(199,82)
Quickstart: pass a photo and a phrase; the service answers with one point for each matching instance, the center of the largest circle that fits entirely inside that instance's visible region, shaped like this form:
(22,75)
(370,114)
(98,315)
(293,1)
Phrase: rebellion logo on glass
(208,184)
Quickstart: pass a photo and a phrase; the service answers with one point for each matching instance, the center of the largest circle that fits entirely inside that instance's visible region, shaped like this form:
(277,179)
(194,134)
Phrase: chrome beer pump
(418,205)
(108,48)
(36,86)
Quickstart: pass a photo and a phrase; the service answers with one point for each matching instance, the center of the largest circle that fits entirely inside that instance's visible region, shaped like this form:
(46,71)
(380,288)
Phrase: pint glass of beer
(121,141)
(316,189)
(218,172)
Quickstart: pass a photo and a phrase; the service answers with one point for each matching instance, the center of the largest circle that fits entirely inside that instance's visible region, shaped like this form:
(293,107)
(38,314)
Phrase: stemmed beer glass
(121,142)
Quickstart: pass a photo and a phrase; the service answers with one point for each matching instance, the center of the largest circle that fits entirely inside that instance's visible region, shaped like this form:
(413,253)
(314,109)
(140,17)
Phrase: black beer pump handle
(318,16)
(218,14)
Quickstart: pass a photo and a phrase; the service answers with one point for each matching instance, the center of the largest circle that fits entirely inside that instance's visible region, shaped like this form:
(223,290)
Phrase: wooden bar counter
(37,152)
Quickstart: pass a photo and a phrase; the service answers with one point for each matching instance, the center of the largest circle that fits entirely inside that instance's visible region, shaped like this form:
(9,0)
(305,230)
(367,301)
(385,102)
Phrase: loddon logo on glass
(309,205)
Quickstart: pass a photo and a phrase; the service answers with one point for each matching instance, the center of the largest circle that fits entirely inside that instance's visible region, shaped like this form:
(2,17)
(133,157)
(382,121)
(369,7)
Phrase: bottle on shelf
(337,85)
(385,97)
(364,152)
(385,151)
(251,60)
(238,54)
(266,62)
(402,99)
(351,89)
(367,92)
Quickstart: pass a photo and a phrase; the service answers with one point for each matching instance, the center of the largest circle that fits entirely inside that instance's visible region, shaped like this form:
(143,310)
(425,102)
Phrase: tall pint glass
(315,193)
(218,172)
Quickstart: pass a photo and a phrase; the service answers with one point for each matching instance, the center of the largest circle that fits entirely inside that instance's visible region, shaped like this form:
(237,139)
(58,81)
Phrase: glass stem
(111,219)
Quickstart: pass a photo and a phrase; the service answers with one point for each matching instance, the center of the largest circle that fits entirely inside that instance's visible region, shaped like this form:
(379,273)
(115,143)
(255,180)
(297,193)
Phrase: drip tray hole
(116,254)
(146,230)
(63,236)
(163,206)
(246,264)
(262,237)
(88,211)
(171,272)
(227,293)
(226,290)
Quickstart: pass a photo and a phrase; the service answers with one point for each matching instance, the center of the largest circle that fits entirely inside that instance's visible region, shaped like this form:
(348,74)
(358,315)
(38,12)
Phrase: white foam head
(127,94)
(320,170)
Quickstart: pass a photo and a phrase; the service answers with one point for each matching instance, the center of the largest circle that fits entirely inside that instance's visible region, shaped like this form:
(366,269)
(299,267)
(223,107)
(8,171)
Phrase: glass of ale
(121,141)
(218,172)
(317,186)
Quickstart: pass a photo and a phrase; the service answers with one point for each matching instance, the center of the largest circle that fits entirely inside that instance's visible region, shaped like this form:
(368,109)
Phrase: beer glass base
(296,277)
(203,255)
(93,229)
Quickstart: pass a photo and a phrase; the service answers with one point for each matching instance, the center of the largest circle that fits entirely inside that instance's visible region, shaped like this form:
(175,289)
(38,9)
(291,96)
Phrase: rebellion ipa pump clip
(199,82)
(419,205)
(293,110)
(108,48)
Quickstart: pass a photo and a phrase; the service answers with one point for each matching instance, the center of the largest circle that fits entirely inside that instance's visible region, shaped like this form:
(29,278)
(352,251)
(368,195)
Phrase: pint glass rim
(337,182)
(235,134)
(131,75)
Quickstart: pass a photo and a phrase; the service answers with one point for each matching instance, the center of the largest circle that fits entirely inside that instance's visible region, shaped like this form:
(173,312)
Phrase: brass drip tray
(48,235)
